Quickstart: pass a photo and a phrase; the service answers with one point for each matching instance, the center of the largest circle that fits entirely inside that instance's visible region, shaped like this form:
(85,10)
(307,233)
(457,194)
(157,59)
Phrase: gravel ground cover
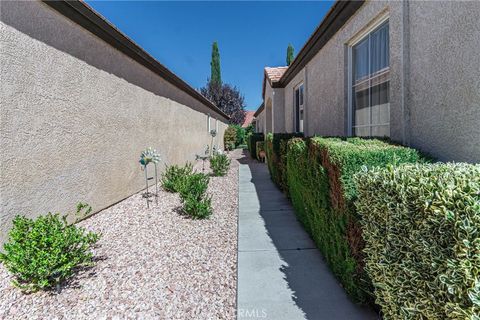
(151,264)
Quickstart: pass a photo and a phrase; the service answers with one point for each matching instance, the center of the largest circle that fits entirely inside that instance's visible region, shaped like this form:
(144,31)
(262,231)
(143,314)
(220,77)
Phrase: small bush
(193,195)
(43,252)
(275,147)
(252,143)
(421,225)
(219,163)
(230,138)
(173,176)
(241,135)
(320,183)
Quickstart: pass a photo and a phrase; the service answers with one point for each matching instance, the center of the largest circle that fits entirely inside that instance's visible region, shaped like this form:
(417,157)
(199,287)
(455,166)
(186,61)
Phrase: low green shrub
(421,225)
(41,253)
(252,143)
(319,177)
(219,163)
(275,148)
(230,138)
(173,176)
(193,190)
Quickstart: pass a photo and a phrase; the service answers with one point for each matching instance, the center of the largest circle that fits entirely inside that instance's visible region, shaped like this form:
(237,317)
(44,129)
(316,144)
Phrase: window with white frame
(209,126)
(299,107)
(370,67)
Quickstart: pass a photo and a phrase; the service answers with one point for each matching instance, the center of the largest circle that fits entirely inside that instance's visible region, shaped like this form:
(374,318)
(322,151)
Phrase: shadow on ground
(281,273)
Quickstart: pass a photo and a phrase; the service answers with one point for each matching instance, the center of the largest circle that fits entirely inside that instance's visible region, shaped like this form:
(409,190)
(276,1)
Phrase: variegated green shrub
(421,226)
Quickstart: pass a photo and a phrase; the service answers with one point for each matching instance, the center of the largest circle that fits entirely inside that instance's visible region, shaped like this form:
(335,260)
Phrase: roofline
(259,110)
(266,77)
(333,21)
(82,14)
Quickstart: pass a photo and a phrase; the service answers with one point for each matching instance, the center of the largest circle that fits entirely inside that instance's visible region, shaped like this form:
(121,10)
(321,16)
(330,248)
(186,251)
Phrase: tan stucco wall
(444,80)
(277,97)
(435,78)
(76,113)
(261,122)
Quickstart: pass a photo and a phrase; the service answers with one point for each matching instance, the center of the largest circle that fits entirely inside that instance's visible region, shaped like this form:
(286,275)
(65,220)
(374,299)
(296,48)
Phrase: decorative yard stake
(208,150)
(148,156)
(204,157)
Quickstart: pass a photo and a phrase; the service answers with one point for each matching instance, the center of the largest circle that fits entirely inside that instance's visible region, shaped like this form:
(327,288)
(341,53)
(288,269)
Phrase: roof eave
(82,14)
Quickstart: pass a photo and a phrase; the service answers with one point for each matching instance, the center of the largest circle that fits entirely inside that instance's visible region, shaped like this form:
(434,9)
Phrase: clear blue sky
(250,35)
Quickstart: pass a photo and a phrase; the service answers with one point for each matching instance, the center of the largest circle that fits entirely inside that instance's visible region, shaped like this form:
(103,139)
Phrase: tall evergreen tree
(215,76)
(290,54)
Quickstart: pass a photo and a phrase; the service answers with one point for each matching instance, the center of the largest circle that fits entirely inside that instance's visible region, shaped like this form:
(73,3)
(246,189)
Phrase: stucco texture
(76,113)
(434,77)
(444,101)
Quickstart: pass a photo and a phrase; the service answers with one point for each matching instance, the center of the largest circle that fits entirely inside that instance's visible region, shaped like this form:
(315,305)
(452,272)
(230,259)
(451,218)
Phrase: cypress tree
(215,76)
(290,53)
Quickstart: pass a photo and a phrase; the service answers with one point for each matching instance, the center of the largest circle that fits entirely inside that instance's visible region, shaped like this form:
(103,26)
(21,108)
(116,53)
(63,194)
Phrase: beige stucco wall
(261,121)
(277,97)
(76,113)
(435,78)
(444,82)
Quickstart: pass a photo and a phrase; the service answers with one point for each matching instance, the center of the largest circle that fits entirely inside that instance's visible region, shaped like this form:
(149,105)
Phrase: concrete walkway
(281,275)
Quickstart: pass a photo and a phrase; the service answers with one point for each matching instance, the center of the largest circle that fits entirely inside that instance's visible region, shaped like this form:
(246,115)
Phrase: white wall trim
(372,25)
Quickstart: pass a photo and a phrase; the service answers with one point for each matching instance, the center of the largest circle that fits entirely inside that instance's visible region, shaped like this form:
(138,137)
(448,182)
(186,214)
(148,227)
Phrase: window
(299,108)
(209,127)
(370,103)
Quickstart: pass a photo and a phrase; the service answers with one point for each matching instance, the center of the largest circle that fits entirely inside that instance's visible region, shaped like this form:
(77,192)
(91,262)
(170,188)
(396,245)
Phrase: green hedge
(421,224)
(320,182)
(276,150)
(252,143)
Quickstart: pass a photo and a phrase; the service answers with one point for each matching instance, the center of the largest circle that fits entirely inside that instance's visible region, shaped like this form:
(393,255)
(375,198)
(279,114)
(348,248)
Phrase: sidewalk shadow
(314,288)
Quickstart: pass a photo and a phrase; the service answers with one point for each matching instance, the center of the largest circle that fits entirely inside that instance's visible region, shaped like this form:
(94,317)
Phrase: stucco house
(407,70)
(79,102)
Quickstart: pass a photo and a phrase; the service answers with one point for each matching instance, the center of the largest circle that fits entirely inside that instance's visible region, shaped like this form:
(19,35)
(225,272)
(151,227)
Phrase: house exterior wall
(444,82)
(434,78)
(261,122)
(76,113)
(277,97)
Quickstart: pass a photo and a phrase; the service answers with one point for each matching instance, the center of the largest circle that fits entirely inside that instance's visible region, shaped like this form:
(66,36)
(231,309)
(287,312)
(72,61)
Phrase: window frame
(301,107)
(377,23)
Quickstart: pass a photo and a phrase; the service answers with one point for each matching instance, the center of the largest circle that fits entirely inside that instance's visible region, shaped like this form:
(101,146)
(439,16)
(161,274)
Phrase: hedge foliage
(252,143)
(320,182)
(276,150)
(421,225)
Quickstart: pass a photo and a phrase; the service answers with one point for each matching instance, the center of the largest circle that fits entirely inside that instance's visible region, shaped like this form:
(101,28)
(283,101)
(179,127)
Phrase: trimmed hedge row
(276,150)
(319,176)
(252,143)
(421,224)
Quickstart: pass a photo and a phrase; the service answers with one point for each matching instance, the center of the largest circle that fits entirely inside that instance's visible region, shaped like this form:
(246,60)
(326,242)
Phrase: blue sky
(250,35)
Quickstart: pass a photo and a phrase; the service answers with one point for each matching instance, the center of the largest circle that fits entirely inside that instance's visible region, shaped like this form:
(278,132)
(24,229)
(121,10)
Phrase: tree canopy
(215,76)
(290,54)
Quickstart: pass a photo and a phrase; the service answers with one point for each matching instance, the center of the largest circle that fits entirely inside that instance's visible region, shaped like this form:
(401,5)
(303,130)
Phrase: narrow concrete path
(281,275)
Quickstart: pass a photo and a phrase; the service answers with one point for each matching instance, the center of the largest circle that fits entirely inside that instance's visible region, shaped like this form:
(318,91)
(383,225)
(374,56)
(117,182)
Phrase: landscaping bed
(149,263)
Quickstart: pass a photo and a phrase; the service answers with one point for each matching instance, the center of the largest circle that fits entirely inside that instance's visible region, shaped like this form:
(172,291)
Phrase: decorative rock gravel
(152,264)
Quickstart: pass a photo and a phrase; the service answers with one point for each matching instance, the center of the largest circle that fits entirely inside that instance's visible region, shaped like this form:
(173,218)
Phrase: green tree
(215,76)
(290,54)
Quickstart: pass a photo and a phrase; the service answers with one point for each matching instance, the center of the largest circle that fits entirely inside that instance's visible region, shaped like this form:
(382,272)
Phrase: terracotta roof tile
(274,74)
(248,118)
